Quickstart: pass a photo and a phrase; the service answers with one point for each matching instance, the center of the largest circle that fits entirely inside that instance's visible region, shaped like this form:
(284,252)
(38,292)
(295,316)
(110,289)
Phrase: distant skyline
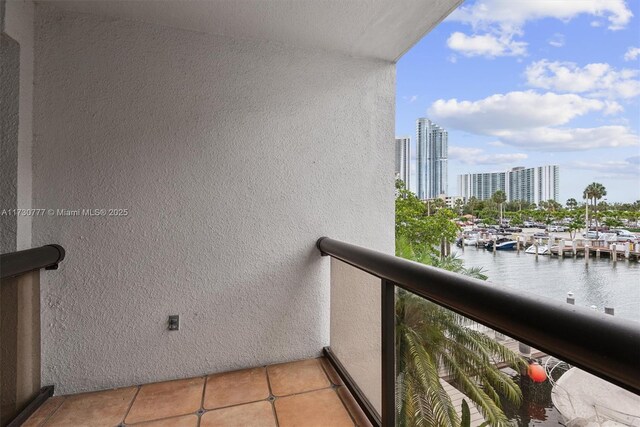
(532,83)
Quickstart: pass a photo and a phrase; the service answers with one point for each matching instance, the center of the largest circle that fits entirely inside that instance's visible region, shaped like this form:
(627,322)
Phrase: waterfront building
(481,185)
(432,154)
(403,156)
(449,201)
(533,185)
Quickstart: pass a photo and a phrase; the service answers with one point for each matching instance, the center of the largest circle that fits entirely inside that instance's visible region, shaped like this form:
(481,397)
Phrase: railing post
(388,354)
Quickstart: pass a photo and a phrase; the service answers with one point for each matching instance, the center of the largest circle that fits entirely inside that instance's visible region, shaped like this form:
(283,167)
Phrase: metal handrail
(16,263)
(606,346)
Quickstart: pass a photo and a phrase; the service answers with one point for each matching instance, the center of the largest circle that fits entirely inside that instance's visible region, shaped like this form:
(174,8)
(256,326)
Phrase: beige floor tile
(297,377)
(234,388)
(102,408)
(320,408)
(44,411)
(166,399)
(184,421)
(257,414)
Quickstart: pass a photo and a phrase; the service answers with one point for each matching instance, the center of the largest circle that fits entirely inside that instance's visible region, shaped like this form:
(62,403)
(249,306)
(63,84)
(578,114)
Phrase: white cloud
(557,40)
(513,14)
(485,45)
(512,111)
(622,169)
(496,23)
(596,24)
(598,79)
(477,156)
(632,53)
(410,99)
(531,120)
(571,139)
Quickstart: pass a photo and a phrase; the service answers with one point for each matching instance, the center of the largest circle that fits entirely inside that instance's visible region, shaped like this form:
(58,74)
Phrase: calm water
(601,284)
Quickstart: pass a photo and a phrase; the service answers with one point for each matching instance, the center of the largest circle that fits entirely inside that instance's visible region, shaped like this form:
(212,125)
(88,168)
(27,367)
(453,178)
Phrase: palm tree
(499,197)
(594,192)
(572,203)
(431,342)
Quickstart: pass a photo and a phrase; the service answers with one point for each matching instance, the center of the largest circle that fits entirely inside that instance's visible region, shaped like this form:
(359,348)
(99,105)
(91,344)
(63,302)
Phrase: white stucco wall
(232,158)
(19,25)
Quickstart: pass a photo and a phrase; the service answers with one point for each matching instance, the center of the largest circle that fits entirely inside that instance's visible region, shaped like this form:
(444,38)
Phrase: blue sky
(530,83)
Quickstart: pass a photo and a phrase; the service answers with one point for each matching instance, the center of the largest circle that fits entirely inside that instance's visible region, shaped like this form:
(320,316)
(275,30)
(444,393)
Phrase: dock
(598,249)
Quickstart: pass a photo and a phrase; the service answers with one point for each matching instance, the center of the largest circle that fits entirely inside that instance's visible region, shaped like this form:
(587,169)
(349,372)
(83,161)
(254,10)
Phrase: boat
(471,240)
(501,244)
(604,404)
(542,250)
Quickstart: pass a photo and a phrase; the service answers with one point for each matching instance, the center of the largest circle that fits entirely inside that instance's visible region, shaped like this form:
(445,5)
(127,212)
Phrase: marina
(600,284)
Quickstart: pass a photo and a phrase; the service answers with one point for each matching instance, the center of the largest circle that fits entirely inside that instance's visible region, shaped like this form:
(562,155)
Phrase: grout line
(135,395)
(202,411)
(272,397)
(204,389)
(331,387)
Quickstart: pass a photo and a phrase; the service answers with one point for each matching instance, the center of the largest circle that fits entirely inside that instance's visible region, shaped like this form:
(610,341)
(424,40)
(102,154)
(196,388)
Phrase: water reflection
(601,284)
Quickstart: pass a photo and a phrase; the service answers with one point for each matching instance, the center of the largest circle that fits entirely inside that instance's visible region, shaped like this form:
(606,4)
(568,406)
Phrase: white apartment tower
(533,185)
(403,156)
(432,153)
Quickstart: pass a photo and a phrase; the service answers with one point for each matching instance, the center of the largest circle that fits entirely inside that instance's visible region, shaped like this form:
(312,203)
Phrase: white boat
(542,250)
(470,241)
(586,400)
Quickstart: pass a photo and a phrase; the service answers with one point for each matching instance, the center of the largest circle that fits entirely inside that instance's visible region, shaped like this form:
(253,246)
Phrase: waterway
(601,284)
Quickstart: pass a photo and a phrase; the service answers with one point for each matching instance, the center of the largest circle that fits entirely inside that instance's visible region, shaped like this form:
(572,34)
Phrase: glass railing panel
(452,371)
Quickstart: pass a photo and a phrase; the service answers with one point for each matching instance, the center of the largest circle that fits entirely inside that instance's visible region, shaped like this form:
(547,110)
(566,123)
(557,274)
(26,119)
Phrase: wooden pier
(615,251)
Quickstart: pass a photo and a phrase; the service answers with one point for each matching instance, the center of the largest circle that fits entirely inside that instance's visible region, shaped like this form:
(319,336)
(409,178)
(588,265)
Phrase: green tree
(592,193)
(499,197)
(432,340)
(576,222)
(414,224)
(458,205)
(571,203)
(473,206)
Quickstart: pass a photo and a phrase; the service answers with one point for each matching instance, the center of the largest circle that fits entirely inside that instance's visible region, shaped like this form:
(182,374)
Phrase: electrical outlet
(174,322)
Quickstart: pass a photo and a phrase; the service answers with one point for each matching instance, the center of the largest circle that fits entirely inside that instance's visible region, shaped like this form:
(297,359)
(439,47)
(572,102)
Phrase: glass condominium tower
(403,154)
(534,185)
(432,151)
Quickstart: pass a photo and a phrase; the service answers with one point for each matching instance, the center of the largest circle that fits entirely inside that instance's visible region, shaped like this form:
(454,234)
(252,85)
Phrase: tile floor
(306,393)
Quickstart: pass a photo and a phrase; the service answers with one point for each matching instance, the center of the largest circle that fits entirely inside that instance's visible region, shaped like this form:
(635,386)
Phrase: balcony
(187,156)
(307,392)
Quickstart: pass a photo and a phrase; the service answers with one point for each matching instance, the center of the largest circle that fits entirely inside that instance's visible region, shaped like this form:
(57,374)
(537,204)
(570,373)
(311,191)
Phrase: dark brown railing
(606,346)
(20,389)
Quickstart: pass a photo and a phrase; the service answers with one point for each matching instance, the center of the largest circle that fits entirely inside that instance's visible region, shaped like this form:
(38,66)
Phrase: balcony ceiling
(382,29)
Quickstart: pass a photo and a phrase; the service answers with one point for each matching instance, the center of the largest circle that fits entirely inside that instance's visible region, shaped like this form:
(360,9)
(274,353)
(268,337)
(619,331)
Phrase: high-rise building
(403,156)
(432,153)
(481,185)
(533,185)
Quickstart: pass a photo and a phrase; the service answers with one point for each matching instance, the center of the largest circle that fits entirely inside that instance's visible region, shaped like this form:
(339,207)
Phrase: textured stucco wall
(9,97)
(19,25)
(232,157)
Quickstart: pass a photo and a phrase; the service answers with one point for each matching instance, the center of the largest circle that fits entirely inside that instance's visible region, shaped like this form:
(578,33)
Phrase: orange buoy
(536,373)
